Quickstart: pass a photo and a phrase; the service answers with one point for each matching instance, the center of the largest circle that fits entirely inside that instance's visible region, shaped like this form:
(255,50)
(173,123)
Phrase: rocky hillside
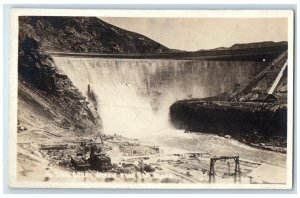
(47,93)
(257,45)
(87,34)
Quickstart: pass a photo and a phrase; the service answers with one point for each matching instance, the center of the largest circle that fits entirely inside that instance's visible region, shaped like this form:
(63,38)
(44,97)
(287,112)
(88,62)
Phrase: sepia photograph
(151,99)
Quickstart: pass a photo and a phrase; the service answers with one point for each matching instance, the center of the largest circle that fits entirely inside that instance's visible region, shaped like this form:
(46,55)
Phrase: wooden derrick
(237,172)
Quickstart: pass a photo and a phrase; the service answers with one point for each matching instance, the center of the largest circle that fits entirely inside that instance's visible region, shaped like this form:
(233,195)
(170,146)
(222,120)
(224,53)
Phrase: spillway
(134,95)
(123,111)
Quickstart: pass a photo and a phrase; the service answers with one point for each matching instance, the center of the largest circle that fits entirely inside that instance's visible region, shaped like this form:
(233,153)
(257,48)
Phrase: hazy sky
(204,33)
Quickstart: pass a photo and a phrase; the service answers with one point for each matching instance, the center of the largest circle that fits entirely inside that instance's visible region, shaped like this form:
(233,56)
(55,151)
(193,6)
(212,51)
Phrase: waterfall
(124,112)
(133,96)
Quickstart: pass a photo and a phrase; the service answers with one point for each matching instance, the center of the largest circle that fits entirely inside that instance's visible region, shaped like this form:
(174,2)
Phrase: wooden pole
(211,169)
(235,169)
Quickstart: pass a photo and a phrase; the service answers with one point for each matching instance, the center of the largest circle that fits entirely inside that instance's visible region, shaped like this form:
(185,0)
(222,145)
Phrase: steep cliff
(47,93)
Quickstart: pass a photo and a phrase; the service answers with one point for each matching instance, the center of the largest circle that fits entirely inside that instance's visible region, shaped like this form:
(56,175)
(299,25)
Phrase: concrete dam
(134,95)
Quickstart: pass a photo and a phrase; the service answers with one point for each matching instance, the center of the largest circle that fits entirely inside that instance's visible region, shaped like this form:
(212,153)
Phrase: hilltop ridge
(87,34)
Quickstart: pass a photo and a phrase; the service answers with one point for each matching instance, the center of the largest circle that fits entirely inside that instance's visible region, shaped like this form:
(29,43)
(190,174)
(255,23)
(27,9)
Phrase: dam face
(132,93)
(177,79)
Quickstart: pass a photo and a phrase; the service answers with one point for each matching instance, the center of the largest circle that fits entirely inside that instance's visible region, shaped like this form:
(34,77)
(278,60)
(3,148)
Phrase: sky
(193,34)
